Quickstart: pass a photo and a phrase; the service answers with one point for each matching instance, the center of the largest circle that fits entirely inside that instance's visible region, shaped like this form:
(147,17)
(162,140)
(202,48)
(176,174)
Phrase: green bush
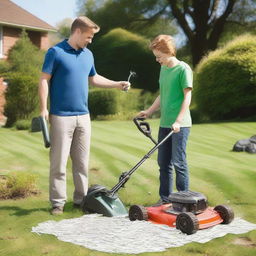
(105,104)
(17,185)
(25,61)
(21,97)
(225,81)
(23,124)
(4,67)
(119,51)
(25,57)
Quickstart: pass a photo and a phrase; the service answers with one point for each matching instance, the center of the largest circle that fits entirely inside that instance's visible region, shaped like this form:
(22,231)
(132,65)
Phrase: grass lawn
(224,176)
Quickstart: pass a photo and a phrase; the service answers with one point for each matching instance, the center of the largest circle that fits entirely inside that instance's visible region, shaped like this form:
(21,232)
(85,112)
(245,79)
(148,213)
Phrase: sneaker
(57,210)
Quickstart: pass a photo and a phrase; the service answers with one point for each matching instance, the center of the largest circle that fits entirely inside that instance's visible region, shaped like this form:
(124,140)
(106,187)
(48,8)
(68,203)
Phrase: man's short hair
(164,44)
(84,23)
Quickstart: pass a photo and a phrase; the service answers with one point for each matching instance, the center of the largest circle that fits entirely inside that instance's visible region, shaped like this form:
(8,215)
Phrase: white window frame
(1,42)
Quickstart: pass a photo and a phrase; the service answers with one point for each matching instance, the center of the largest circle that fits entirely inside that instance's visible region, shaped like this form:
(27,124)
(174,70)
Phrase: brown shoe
(78,206)
(57,210)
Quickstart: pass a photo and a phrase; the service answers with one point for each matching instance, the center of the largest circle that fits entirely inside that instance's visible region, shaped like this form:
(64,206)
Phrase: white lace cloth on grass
(120,235)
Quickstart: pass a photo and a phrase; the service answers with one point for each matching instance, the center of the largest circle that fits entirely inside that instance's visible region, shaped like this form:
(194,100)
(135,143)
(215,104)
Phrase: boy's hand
(176,127)
(144,114)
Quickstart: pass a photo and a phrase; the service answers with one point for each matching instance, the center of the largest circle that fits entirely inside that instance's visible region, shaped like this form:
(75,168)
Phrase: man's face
(85,38)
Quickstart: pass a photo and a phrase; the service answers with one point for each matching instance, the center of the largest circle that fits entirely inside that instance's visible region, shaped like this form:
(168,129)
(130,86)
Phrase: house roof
(13,15)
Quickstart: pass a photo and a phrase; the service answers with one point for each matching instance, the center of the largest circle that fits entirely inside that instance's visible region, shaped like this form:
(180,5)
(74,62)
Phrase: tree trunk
(204,34)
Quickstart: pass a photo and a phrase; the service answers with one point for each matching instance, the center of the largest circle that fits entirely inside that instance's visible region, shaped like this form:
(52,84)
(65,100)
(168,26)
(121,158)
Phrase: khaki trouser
(69,135)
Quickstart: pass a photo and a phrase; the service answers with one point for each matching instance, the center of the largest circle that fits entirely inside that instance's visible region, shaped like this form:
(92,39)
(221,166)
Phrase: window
(1,42)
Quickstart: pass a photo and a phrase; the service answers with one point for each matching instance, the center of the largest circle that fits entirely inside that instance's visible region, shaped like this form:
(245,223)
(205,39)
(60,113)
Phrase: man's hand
(176,127)
(124,85)
(45,114)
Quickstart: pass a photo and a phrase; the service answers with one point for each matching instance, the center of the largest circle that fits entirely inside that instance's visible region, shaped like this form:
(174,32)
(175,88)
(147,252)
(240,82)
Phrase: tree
(64,28)
(203,21)
(148,18)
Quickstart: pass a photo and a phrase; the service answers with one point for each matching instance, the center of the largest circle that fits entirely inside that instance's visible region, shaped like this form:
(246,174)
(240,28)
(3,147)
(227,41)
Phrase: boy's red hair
(164,44)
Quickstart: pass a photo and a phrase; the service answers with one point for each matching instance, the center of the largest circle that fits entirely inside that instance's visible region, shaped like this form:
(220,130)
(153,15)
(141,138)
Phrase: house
(12,20)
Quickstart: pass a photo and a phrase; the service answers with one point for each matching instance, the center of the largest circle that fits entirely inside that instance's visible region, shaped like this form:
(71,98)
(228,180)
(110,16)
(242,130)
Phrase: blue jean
(172,155)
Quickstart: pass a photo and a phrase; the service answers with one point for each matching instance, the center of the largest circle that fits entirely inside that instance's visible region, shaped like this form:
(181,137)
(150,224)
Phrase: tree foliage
(146,17)
(202,21)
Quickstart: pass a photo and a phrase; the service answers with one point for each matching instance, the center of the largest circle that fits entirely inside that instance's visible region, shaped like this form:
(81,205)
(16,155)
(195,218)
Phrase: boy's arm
(154,107)
(185,105)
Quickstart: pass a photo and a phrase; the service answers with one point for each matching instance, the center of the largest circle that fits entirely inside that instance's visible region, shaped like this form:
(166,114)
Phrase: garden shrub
(25,57)
(113,104)
(21,97)
(103,102)
(25,61)
(17,185)
(119,51)
(225,81)
(4,67)
(23,124)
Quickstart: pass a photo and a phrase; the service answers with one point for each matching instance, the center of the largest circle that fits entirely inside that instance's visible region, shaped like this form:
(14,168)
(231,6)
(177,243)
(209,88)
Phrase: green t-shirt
(172,83)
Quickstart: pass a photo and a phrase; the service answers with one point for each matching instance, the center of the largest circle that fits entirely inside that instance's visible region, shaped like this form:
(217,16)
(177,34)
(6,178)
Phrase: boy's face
(162,58)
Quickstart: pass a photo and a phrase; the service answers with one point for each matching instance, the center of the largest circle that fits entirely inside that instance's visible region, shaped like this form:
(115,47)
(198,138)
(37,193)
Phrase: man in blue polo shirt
(68,69)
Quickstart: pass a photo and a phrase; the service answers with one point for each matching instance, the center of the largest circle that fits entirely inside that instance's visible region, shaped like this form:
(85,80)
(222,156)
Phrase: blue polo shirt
(70,70)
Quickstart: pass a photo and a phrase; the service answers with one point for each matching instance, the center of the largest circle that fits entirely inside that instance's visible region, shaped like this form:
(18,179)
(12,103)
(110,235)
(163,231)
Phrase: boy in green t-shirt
(176,81)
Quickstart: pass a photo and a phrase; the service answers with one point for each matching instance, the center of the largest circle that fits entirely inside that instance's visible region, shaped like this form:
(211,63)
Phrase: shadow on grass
(17,211)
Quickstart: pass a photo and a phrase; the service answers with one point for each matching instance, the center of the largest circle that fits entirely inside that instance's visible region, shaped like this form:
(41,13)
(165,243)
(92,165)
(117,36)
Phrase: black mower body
(187,201)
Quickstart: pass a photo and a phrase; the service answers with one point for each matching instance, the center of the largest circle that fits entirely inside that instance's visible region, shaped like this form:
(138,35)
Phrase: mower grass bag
(248,145)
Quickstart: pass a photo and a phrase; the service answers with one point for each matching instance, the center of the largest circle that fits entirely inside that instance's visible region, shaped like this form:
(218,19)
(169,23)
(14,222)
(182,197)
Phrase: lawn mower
(101,200)
(187,211)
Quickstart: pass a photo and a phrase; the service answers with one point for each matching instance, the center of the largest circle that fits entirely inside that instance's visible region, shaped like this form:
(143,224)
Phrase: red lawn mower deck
(187,211)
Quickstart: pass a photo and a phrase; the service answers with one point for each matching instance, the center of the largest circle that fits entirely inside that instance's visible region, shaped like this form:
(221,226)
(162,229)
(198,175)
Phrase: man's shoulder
(59,46)
(55,48)
(87,51)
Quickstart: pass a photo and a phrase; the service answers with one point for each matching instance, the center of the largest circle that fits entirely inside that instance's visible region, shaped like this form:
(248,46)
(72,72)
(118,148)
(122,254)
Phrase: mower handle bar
(126,175)
(144,127)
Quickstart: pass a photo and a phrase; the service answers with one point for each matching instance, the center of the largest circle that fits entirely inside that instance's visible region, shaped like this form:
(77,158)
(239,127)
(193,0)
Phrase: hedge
(225,81)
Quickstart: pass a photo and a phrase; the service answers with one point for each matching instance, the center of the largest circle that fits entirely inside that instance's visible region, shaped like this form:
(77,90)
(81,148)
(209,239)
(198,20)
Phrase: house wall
(11,35)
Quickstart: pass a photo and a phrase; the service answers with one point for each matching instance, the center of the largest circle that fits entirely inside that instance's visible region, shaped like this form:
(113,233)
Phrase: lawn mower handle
(126,175)
(143,127)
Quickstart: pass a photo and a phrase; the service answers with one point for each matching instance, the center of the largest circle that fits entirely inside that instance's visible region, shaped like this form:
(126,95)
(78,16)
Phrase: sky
(50,11)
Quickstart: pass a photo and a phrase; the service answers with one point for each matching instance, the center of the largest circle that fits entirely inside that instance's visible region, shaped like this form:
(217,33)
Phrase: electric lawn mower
(101,200)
